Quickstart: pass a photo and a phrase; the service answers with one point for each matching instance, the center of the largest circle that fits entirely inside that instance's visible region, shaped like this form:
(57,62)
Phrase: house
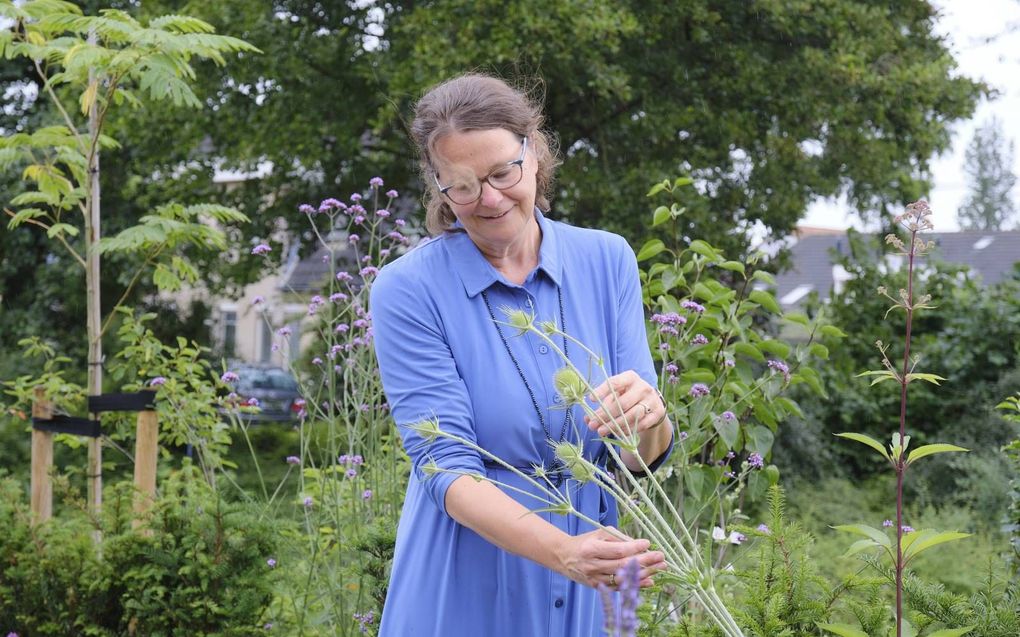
(989,255)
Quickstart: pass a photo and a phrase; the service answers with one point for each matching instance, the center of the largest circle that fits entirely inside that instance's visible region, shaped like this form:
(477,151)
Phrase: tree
(988,164)
(768,105)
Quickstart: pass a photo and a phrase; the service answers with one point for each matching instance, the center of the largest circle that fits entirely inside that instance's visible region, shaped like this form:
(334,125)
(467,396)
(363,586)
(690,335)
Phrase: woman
(470,560)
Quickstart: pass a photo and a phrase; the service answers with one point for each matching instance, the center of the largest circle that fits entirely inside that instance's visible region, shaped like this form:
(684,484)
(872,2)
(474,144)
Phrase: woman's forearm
(487,510)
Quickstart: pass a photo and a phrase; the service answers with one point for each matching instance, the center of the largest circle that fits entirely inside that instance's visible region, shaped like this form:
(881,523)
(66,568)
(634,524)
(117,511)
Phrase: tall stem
(901,461)
(92,303)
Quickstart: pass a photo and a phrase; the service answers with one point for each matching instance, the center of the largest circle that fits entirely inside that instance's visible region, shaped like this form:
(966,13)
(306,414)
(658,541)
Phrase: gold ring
(612,580)
(648,409)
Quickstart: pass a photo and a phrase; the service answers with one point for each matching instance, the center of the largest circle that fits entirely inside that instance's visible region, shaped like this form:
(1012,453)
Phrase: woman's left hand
(629,401)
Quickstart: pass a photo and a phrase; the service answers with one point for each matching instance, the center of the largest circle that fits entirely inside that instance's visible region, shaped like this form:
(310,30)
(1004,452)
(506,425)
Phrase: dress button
(558,603)
(542,349)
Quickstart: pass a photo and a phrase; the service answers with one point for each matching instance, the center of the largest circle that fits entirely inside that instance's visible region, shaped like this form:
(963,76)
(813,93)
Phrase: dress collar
(477,274)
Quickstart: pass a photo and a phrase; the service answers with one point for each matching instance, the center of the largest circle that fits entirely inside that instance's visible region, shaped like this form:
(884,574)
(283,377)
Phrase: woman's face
(498,219)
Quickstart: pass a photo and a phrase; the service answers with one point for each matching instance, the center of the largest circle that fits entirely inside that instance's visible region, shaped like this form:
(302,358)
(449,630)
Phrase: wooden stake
(146,456)
(42,460)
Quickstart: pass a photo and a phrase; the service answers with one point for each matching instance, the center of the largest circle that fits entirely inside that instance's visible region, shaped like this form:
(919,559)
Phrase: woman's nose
(490,196)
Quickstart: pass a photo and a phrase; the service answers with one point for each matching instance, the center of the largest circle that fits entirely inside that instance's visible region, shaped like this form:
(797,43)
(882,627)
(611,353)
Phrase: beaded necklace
(569,416)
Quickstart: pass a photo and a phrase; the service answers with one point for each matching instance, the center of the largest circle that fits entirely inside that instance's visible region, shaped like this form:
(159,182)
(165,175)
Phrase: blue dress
(441,356)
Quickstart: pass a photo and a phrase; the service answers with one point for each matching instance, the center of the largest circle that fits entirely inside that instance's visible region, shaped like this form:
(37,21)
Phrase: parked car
(273,389)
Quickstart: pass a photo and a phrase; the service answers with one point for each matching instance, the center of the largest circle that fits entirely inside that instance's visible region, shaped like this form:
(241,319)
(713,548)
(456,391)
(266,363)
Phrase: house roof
(989,255)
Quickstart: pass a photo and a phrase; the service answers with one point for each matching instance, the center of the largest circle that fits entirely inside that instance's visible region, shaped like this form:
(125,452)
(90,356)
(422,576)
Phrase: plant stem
(901,461)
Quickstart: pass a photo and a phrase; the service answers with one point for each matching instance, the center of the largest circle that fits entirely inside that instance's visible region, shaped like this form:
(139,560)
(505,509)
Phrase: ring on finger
(647,409)
(612,580)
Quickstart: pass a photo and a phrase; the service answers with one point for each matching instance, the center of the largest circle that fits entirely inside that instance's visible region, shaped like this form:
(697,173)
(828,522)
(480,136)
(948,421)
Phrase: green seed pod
(570,386)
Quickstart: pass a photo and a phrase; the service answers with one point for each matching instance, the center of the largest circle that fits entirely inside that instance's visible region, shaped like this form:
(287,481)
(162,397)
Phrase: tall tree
(768,105)
(988,164)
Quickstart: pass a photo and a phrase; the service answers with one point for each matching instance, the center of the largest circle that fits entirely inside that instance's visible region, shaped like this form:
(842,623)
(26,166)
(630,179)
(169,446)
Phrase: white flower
(736,538)
(718,534)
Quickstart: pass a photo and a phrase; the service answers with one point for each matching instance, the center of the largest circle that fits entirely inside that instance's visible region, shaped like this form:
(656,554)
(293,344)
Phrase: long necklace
(569,417)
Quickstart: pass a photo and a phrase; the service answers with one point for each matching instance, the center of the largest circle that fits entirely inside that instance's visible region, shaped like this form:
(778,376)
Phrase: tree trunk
(92,306)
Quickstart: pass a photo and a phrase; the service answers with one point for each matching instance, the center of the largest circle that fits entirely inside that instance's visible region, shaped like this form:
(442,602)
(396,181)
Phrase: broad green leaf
(766,300)
(24,215)
(699,375)
(927,450)
(843,630)
(931,378)
(952,632)
(732,266)
(868,440)
(750,351)
(650,249)
(728,430)
(660,216)
(880,375)
(797,317)
(763,412)
(833,331)
(657,188)
(820,351)
(682,181)
(940,538)
(861,545)
(867,531)
(810,376)
(704,249)
(760,439)
(778,349)
(764,277)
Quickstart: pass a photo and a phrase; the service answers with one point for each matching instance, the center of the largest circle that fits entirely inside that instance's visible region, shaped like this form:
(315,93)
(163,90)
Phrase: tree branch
(60,238)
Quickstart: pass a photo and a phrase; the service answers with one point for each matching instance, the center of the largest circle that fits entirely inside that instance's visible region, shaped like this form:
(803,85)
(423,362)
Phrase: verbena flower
(307,209)
(355,197)
(258,300)
(261,249)
(375,182)
(309,502)
(230,377)
(382,213)
(764,528)
(699,339)
(271,563)
(353,238)
(366,495)
(907,529)
(728,415)
(693,307)
(780,367)
(755,460)
(887,523)
(293,460)
(736,537)
(157,381)
(699,389)
(392,194)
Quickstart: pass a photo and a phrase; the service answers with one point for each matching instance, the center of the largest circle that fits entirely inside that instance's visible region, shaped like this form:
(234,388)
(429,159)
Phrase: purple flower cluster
(158,381)
(728,415)
(261,249)
(691,306)
(698,390)
(293,460)
(364,620)
(780,367)
(699,339)
(620,611)
(671,370)
(669,322)
(755,461)
(230,377)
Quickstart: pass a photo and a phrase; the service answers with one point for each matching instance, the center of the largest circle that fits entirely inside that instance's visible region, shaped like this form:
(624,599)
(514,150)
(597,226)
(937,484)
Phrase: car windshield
(266,379)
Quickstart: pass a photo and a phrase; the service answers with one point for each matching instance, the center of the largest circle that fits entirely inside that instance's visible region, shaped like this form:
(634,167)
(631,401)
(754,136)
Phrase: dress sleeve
(421,381)
(632,338)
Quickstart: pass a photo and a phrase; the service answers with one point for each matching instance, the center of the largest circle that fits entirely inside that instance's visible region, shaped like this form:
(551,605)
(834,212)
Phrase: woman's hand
(628,403)
(594,558)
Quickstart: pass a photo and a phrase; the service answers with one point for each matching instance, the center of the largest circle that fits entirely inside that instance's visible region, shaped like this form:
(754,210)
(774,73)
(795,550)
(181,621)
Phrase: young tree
(989,167)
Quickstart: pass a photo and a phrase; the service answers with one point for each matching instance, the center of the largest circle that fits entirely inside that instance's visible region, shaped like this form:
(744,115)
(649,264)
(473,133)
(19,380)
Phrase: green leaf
(819,351)
(732,266)
(867,440)
(728,430)
(798,318)
(650,249)
(832,331)
(779,349)
(750,351)
(61,228)
(704,249)
(766,300)
(867,531)
(931,378)
(952,632)
(940,538)
(880,375)
(843,630)
(660,216)
(24,215)
(657,188)
(764,277)
(760,440)
(861,545)
(927,450)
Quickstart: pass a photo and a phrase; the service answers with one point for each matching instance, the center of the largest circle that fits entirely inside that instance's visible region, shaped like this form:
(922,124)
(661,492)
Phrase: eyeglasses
(467,191)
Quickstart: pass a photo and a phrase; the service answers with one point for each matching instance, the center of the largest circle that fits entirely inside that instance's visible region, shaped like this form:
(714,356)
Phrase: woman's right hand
(590,558)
